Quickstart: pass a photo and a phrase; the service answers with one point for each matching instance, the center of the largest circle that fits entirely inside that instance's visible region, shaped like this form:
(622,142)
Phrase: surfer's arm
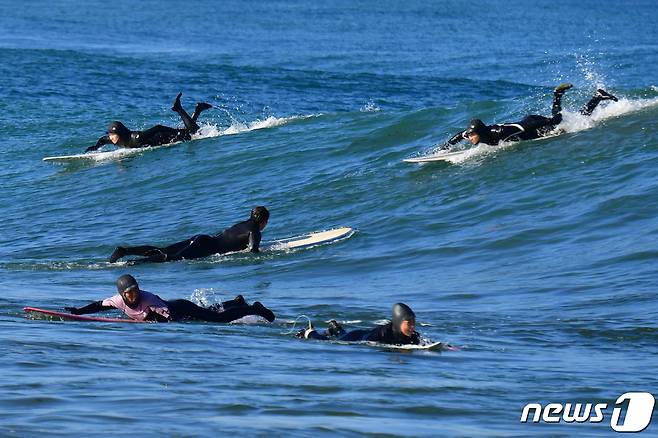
(96,306)
(154,316)
(101,141)
(457,138)
(254,241)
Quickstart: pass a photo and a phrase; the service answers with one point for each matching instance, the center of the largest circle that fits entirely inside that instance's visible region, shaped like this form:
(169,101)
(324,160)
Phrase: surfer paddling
(400,331)
(119,135)
(144,306)
(531,127)
(241,236)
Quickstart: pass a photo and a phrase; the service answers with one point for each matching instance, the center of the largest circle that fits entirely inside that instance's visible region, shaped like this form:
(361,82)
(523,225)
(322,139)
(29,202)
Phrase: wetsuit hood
(477,126)
(120,129)
(401,312)
(124,283)
(260,215)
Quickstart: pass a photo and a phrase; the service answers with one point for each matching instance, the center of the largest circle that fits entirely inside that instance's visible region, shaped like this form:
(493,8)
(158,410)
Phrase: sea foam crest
(209,130)
(574,121)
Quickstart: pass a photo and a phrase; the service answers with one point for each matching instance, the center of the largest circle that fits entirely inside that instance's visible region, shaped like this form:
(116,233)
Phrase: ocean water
(537,258)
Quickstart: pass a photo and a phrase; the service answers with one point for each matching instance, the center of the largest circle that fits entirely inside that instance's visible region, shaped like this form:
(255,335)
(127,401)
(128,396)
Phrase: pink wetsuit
(148,303)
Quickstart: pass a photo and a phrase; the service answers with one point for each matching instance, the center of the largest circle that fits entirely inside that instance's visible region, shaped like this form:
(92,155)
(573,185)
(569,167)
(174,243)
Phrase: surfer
(144,306)
(400,331)
(119,135)
(243,235)
(531,127)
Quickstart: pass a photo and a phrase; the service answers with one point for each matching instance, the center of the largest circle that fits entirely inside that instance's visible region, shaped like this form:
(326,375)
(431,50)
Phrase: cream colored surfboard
(313,239)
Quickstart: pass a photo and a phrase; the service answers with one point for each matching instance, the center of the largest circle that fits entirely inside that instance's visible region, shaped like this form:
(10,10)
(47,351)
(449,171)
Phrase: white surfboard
(480,150)
(432,346)
(108,155)
(450,157)
(435,346)
(96,156)
(311,239)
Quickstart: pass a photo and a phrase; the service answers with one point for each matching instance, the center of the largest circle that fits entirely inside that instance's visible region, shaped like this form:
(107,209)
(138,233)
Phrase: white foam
(237,127)
(574,122)
(208,130)
(481,150)
(370,107)
(205,297)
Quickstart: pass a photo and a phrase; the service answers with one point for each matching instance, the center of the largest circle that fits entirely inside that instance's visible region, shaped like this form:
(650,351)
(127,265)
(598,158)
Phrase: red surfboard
(71,317)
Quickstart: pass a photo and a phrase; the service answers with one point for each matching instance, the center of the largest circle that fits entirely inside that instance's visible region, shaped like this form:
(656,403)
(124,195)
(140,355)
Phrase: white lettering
(526,412)
(551,409)
(598,409)
(576,413)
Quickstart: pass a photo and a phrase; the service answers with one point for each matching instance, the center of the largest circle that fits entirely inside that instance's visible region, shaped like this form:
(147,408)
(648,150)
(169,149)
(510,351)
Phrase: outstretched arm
(96,306)
(457,138)
(101,141)
(254,241)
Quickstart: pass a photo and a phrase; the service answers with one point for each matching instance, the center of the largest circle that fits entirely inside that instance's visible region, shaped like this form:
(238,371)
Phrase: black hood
(401,312)
(126,282)
(477,126)
(119,129)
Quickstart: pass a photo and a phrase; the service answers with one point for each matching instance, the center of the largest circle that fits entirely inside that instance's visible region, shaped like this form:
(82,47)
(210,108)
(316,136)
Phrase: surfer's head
(117,132)
(128,289)
(476,129)
(260,215)
(404,319)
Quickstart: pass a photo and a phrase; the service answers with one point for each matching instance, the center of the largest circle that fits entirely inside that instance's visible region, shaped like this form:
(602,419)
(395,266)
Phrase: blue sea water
(537,259)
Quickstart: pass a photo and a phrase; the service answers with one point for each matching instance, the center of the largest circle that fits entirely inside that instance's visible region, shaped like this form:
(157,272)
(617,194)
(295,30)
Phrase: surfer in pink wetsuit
(145,306)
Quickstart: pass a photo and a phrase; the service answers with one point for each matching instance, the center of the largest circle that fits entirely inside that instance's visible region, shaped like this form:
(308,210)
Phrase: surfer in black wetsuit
(146,306)
(119,135)
(244,235)
(400,331)
(531,127)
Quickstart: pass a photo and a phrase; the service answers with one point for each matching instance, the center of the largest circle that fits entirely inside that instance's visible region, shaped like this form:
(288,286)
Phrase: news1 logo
(637,416)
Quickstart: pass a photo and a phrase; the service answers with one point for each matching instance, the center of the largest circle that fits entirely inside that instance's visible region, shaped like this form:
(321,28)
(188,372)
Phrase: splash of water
(370,107)
(574,121)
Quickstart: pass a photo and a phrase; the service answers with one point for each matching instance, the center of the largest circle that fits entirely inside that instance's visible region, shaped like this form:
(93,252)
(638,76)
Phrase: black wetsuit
(239,237)
(184,309)
(155,136)
(531,127)
(159,134)
(384,334)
